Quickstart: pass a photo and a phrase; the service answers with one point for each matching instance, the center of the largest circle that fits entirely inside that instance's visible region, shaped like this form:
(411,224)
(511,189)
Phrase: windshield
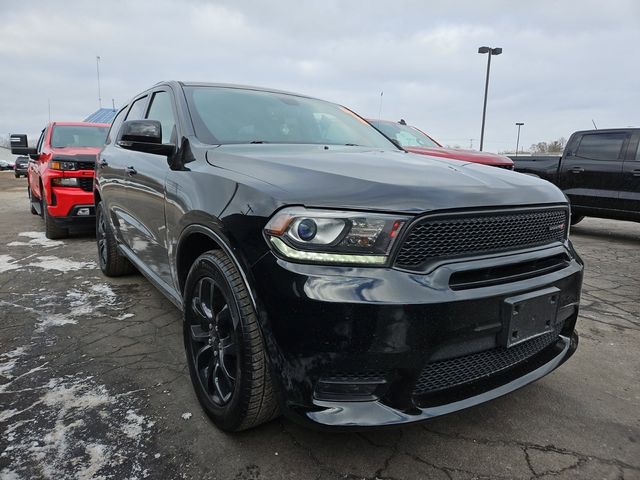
(405,135)
(223,115)
(78,136)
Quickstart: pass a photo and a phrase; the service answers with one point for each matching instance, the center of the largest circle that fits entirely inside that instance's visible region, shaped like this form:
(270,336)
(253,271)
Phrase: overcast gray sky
(564,63)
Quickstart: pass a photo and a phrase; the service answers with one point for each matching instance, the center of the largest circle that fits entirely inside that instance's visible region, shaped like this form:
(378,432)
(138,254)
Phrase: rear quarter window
(601,146)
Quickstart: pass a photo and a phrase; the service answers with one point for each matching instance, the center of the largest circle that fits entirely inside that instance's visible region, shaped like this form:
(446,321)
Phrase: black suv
(325,273)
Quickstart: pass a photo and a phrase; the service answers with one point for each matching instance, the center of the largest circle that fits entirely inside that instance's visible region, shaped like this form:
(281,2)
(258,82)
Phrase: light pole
(491,52)
(98,72)
(519,124)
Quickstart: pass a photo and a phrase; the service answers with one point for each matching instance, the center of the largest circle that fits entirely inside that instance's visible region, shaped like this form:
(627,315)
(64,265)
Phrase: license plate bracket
(528,316)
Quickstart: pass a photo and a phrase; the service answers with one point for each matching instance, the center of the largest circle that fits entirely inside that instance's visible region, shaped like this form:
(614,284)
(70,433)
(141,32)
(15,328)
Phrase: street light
(519,124)
(491,52)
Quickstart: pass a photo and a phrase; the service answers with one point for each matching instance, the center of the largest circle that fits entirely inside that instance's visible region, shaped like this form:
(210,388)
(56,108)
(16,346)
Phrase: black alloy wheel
(225,349)
(214,341)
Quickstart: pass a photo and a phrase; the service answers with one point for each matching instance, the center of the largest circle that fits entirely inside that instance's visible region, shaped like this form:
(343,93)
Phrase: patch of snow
(186,415)
(67,441)
(47,320)
(133,427)
(49,262)
(6,474)
(7,366)
(125,316)
(37,238)
(7,262)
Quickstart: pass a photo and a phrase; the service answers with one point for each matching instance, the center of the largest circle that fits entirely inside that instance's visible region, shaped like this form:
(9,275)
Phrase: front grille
(478,233)
(450,373)
(86,184)
(86,165)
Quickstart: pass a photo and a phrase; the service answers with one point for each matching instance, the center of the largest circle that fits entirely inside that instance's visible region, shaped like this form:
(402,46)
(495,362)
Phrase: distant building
(103,115)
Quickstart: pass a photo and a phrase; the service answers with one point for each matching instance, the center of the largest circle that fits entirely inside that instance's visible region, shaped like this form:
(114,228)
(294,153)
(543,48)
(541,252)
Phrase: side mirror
(20,146)
(144,136)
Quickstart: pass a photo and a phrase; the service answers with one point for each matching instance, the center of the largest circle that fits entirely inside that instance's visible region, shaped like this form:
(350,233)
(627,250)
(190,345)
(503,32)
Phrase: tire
(111,261)
(30,195)
(17,175)
(224,346)
(51,230)
(575,219)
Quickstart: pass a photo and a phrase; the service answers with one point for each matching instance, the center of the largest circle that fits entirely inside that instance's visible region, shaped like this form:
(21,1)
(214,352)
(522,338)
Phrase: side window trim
(41,140)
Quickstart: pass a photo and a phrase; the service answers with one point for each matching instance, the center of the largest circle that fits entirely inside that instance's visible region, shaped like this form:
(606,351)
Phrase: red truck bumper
(66,200)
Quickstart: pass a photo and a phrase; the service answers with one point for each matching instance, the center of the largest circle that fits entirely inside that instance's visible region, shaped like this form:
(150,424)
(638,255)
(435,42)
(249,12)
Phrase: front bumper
(332,327)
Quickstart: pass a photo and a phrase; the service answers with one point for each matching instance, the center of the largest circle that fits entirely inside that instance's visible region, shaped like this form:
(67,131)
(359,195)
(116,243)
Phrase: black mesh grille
(458,371)
(457,235)
(86,165)
(86,183)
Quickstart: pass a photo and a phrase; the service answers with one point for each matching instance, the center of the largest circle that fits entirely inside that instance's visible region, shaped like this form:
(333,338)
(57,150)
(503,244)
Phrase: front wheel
(51,230)
(575,219)
(224,346)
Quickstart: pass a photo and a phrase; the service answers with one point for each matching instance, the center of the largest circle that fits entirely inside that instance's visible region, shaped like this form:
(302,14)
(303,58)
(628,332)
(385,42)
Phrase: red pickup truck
(60,173)
(414,140)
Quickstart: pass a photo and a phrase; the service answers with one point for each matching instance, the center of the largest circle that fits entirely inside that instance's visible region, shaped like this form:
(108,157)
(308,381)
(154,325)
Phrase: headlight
(65,182)
(339,237)
(62,165)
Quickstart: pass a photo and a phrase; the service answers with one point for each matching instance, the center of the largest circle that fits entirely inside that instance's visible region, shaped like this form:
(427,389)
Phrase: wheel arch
(197,239)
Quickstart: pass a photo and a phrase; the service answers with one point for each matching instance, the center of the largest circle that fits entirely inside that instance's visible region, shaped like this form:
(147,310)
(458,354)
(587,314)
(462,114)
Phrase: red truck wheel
(51,230)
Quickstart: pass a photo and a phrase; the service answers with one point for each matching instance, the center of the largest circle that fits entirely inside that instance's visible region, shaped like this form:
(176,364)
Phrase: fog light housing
(350,389)
(65,182)
(83,212)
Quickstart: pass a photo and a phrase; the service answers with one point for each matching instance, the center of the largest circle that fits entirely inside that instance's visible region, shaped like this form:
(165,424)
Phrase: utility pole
(98,72)
(491,52)
(380,109)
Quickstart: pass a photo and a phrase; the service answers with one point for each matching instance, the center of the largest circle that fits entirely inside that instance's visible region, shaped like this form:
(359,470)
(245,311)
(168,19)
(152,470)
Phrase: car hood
(382,180)
(76,151)
(464,155)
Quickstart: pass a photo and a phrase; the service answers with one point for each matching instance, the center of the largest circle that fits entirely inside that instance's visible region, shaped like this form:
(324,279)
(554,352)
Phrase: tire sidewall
(99,214)
(230,415)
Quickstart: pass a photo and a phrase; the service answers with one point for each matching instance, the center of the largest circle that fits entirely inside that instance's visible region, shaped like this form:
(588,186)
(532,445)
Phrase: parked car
(599,171)
(414,140)
(60,177)
(322,271)
(6,165)
(20,167)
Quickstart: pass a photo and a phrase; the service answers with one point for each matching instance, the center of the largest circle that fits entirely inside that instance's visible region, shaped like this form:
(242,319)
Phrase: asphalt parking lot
(94,384)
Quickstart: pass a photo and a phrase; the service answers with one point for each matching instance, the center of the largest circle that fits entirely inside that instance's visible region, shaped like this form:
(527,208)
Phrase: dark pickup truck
(599,171)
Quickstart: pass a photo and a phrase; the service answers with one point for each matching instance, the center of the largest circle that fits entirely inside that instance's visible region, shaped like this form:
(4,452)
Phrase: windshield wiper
(258,141)
(352,145)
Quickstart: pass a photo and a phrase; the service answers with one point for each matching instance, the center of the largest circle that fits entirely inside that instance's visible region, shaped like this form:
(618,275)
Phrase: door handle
(576,170)
(636,172)
(131,171)
(103,163)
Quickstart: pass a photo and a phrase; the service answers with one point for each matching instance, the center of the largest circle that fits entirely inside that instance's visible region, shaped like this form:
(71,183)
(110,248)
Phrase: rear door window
(601,146)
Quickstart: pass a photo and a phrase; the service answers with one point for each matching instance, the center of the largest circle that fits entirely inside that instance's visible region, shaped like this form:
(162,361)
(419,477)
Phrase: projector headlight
(333,237)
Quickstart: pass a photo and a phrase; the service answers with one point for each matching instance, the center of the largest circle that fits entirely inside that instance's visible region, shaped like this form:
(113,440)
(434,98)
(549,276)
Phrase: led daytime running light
(324,257)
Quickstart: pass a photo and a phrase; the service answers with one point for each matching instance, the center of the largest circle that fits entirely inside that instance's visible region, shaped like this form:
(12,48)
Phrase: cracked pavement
(94,384)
